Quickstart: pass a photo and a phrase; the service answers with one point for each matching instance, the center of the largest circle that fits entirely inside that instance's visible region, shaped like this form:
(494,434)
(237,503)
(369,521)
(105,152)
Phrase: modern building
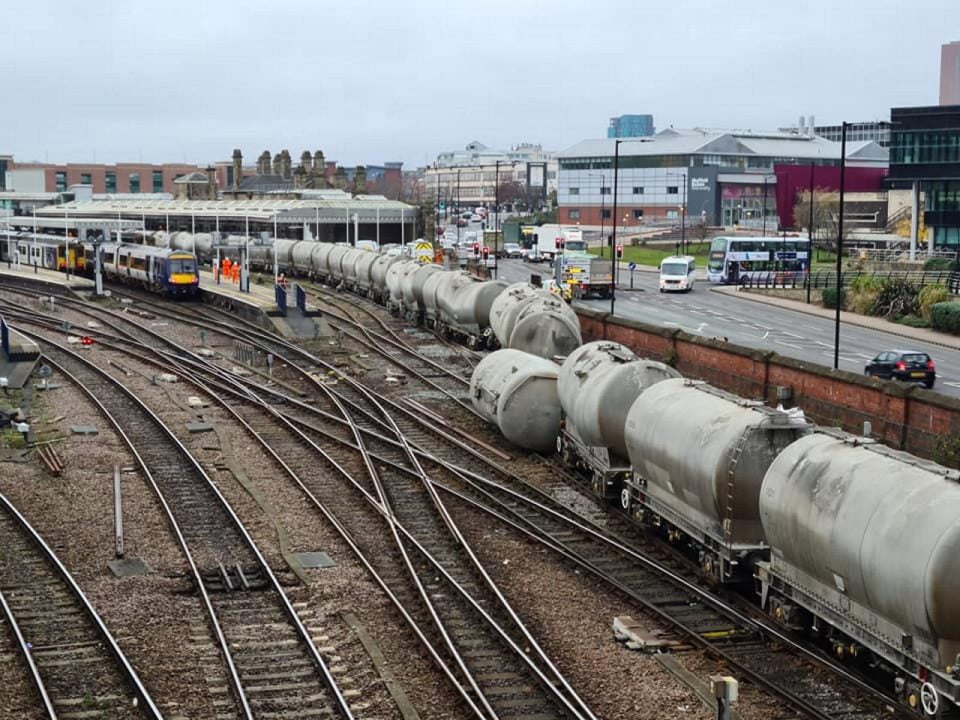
(626,126)
(120,178)
(527,174)
(718,177)
(950,74)
(925,151)
(877,131)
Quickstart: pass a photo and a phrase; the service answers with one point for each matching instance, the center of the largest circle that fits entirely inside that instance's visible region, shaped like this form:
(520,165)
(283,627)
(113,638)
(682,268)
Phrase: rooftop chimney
(237,167)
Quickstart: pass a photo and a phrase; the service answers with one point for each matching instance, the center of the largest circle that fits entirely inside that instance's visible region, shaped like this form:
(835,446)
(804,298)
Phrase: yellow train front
(174,273)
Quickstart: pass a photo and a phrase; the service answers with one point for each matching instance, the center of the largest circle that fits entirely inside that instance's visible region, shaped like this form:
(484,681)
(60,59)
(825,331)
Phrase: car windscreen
(920,358)
(673,269)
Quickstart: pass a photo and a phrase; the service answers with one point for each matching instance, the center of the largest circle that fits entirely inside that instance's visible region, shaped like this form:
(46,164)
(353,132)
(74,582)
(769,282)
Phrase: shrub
(913,321)
(828,296)
(938,264)
(862,293)
(947,451)
(895,299)
(946,317)
(931,295)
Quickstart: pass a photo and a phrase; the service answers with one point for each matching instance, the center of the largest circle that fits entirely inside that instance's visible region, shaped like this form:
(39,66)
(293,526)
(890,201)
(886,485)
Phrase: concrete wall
(903,416)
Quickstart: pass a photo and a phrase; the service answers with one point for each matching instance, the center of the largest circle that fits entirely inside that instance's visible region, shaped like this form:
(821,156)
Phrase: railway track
(74,662)
(272,664)
(702,621)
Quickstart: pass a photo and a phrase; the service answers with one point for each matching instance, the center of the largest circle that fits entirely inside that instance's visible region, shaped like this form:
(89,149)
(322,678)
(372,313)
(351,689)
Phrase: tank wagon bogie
(699,456)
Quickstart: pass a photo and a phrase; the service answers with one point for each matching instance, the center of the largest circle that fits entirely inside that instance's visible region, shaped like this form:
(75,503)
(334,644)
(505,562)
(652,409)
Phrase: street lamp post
(613,240)
(810,237)
(843,167)
(457,220)
(496,200)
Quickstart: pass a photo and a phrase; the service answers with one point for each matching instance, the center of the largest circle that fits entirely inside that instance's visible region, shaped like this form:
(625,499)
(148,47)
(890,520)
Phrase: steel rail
(144,697)
(339,701)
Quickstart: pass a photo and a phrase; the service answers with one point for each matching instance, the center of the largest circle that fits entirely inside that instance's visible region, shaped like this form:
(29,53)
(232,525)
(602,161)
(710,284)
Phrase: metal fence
(828,278)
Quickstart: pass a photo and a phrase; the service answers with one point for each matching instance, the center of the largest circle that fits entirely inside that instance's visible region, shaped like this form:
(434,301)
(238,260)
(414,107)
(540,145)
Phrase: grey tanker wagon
(868,540)
(597,386)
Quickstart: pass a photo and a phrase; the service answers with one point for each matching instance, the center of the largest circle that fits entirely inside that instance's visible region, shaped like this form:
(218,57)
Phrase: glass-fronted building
(625,126)
(925,150)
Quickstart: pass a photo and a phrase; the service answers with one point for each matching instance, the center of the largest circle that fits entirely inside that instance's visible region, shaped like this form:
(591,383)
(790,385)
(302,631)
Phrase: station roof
(327,208)
(70,223)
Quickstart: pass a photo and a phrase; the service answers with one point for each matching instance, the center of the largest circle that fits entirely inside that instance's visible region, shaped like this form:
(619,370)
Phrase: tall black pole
(763,233)
(810,237)
(683,217)
(459,210)
(436,219)
(613,240)
(603,207)
(843,167)
(496,223)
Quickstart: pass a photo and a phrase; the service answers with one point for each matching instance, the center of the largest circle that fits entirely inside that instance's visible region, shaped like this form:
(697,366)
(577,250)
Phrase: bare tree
(826,217)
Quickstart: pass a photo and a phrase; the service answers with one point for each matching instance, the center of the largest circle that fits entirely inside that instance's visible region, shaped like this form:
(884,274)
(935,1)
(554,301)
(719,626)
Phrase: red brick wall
(903,416)
(590,214)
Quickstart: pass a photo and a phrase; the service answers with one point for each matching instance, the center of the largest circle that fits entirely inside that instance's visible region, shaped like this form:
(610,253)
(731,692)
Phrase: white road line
(781,342)
(951,384)
(799,337)
(765,327)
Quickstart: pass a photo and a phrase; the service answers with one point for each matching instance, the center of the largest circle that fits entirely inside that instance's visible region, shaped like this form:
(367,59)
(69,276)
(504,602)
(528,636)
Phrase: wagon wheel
(929,699)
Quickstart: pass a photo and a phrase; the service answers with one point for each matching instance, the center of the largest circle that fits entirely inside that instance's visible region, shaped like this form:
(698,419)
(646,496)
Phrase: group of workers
(229,270)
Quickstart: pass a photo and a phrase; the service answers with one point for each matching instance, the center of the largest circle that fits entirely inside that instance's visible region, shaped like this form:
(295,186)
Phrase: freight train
(837,535)
(483,314)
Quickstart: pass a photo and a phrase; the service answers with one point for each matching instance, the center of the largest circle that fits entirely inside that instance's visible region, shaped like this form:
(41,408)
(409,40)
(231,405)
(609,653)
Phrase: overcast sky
(369,81)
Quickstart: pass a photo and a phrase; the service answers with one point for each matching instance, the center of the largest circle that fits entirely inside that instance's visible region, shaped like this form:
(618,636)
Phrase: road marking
(952,384)
(765,327)
(799,337)
(765,335)
(781,342)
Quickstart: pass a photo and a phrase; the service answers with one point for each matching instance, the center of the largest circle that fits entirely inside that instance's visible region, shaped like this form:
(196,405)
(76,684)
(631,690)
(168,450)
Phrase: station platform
(28,275)
(261,295)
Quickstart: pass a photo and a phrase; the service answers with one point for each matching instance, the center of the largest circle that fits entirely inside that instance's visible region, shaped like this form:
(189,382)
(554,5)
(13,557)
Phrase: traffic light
(476,249)
(619,251)
(486,252)
(556,243)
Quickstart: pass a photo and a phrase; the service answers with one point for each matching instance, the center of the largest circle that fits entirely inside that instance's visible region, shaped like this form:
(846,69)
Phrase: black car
(906,365)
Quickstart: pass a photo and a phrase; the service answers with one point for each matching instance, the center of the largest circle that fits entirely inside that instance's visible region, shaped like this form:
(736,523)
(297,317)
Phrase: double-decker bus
(733,258)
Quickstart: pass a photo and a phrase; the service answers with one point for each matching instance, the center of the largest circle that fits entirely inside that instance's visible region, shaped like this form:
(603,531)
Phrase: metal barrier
(828,278)
(281,295)
(301,299)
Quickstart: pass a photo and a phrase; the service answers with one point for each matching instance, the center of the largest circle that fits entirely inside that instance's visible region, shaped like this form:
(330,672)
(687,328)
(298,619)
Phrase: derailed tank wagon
(597,385)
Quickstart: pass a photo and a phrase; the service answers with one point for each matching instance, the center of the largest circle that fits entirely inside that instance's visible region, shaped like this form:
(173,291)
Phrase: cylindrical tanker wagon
(517,392)
(525,317)
(868,539)
(597,385)
(699,455)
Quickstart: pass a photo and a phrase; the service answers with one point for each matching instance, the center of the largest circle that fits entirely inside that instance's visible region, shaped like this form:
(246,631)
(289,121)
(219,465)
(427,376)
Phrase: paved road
(755,324)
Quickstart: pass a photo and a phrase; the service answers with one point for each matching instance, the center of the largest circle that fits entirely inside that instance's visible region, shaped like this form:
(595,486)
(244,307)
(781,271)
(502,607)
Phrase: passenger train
(837,535)
(172,272)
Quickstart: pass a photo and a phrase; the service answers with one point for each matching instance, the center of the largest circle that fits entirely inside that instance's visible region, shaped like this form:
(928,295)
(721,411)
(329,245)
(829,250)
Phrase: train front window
(183,266)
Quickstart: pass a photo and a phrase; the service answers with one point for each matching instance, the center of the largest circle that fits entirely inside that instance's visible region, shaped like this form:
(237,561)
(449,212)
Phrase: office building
(719,177)
(527,175)
(626,126)
(950,74)
(925,151)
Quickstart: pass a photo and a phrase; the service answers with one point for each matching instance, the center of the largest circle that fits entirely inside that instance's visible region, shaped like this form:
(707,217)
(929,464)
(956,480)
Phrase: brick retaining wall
(903,416)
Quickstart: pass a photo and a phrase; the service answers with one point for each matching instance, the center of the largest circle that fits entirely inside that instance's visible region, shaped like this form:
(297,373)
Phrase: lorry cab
(677,273)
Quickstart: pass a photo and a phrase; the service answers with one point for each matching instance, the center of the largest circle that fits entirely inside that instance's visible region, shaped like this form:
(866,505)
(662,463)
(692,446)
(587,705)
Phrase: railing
(828,278)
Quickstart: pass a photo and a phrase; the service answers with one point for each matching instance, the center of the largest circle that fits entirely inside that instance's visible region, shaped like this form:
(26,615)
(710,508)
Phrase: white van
(677,273)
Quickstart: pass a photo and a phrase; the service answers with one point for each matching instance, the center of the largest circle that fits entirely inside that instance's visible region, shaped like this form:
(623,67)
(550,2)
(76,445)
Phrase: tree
(700,231)
(826,217)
